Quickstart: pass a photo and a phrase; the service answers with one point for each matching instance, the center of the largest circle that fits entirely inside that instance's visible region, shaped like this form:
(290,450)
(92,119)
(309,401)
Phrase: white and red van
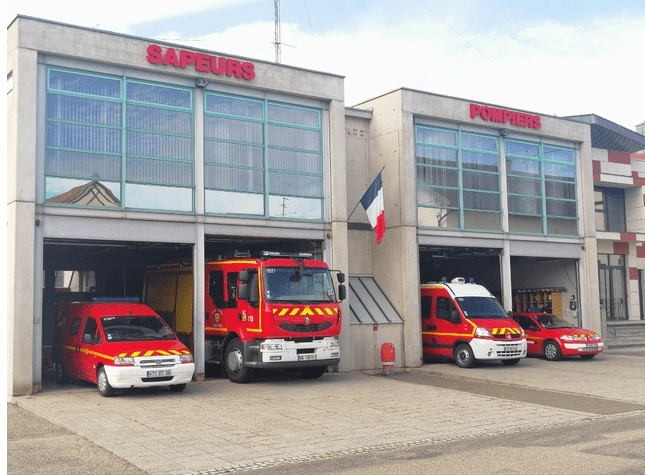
(119,345)
(465,322)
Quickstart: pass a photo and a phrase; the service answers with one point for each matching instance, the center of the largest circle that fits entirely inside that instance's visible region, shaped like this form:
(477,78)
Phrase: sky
(553,58)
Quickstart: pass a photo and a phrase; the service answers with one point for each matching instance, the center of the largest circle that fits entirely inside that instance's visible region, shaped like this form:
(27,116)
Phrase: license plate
(159,373)
(306,357)
(590,348)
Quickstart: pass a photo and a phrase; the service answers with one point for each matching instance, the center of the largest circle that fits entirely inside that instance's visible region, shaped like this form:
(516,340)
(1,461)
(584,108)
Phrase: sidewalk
(220,427)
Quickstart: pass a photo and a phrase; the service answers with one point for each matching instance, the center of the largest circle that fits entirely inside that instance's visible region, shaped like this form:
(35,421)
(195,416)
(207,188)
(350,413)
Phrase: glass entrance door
(613,290)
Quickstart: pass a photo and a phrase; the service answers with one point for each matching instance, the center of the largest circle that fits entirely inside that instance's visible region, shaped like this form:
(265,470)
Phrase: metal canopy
(608,135)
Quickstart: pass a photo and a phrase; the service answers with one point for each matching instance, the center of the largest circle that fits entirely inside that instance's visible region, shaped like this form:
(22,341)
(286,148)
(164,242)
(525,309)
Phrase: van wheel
(512,362)
(464,356)
(313,373)
(177,388)
(61,374)
(234,365)
(103,384)
(551,351)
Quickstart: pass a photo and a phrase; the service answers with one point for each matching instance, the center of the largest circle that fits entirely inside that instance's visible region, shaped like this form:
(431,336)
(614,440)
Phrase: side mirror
(341,277)
(454,316)
(342,292)
(243,276)
(243,291)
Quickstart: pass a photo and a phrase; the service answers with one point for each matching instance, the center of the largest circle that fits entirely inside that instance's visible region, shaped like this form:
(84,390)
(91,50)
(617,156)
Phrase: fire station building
(125,152)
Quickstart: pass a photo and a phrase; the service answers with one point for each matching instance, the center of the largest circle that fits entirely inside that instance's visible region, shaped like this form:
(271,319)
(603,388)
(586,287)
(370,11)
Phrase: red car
(552,337)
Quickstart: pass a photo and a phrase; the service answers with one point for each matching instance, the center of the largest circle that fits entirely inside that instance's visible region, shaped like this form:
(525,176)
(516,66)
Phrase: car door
(534,337)
(449,324)
(88,355)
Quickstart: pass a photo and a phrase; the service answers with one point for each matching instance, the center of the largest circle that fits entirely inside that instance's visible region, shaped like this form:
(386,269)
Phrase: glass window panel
(79,164)
(233,154)
(294,208)
(159,120)
(560,172)
(524,186)
(234,130)
(557,189)
(291,115)
(234,106)
(567,227)
(559,154)
(480,161)
(288,184)
(82,192)
(515,166)
(226,202)
(437,197)
(288,137)
(525,224)
(156,94)
(83,137)
(480,181)
(599,203)
(82,83)
(437,156)
(81,109)
(437,137)
(159,171)
(437,176)
(565,209)
(524,204)
(234,178)
(481,201)
(290,160)
(158,145)
(482,220)
(156,197)
(479,142)
(522,148)
(438,217)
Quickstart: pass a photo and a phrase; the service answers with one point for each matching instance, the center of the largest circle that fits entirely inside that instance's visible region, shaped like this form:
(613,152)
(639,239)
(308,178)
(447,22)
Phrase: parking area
(216,426)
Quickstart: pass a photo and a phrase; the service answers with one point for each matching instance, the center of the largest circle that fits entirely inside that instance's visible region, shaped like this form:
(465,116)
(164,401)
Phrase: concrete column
(199,303)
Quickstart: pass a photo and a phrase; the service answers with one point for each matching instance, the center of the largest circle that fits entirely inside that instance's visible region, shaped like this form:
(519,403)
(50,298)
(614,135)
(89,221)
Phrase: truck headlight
(482,332)
(333,344)
(271,346)
(124,361)
(186,358)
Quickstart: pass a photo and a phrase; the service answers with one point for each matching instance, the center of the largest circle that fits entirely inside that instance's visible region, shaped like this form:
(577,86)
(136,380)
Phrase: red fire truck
(272,312)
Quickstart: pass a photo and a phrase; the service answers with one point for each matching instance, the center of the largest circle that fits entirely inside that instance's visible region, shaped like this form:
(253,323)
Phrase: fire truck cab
(465,322)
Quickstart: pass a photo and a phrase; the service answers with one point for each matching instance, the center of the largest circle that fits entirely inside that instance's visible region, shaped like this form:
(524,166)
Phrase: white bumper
(498,350)
(585,347)
(278,352)
(139,377)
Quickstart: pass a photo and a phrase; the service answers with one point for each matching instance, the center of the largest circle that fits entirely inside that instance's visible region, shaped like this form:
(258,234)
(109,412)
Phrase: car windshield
(298,285)
(136,328)
(551,321)
(481,307)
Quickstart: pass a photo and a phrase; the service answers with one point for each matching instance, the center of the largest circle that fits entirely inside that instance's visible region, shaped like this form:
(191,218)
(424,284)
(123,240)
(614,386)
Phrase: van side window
(426,307)
(73,329)
(445,308)
(216,287)
(231,281)
(90,333)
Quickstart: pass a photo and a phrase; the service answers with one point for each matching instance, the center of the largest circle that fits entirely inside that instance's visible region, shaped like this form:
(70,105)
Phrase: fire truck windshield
(481,307)
(298,285)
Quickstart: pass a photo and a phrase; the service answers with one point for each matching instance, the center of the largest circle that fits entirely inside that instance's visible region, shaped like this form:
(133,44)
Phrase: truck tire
(61,374)
(463,356)
(103,385)
(313,372)
(234,365)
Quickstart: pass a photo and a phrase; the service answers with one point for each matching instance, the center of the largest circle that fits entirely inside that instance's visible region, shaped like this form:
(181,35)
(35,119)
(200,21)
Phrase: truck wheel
(512,362)
(103,384)
(313,373)
(61,374)
(234,365)
(464,356)
(551,351)
(177,388)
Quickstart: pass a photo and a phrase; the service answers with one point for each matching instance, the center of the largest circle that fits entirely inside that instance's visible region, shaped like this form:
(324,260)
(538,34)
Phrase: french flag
(372,201)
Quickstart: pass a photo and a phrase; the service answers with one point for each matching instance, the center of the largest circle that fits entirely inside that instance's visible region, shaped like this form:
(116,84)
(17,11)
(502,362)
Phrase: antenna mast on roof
(277,42)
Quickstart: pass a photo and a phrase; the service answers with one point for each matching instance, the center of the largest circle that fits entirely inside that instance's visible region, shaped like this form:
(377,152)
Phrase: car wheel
(464,356)
(234,365)
(551,351)
(103,384)
(587,357)
(177,388)
(61,374)
(313,373)
(512,362)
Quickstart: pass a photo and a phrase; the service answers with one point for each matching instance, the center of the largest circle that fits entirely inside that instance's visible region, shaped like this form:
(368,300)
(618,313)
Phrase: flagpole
(359,201)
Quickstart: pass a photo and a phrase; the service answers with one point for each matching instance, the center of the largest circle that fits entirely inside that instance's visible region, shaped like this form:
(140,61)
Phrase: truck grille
(510,349)
(315,327)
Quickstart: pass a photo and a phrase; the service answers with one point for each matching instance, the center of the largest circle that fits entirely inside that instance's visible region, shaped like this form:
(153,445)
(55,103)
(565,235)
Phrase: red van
(119,345)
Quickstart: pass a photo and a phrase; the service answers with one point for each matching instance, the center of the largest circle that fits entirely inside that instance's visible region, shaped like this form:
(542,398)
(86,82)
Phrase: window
(116,142)
(541,183)
(262,158)
(610,209)
(446,310)
(458,182)
(612,286)
(426,307)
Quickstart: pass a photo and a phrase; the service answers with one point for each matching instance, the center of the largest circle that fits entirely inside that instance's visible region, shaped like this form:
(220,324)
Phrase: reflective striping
(503,331)
(302,311)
